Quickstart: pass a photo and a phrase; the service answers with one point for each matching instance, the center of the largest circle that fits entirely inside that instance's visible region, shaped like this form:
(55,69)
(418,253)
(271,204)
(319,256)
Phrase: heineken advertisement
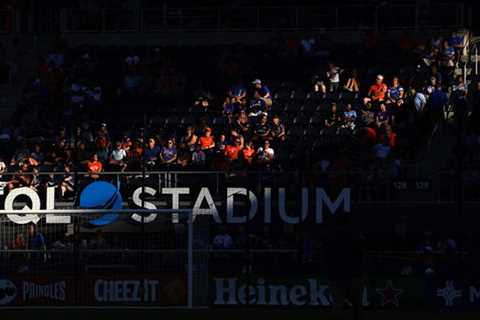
(389,293)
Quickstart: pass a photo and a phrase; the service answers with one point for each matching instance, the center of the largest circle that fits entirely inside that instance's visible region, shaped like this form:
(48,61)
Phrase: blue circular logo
(101,195)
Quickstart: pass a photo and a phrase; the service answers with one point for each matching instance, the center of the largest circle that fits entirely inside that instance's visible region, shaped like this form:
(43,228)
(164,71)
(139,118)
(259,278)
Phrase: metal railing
(367,187)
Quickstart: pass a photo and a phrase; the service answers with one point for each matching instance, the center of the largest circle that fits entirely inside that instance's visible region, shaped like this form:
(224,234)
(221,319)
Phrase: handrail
(246,172)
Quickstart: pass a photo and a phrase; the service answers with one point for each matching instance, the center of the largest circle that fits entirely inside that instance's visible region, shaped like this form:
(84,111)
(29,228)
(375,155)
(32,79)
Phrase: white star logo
(449,293)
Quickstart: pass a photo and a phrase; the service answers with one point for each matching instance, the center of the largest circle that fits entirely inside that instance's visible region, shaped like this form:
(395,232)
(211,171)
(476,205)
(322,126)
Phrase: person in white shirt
(265,154)
(118,157)
(333,75)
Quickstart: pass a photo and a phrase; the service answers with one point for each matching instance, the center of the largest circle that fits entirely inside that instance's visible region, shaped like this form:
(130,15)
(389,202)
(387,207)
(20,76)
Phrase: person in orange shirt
(248,153)
(378,91)
(232,151)
(94,167)
(206,141)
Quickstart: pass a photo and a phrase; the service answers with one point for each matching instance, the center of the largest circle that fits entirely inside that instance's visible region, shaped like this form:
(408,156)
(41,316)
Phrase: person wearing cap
(378,90)
(261,94)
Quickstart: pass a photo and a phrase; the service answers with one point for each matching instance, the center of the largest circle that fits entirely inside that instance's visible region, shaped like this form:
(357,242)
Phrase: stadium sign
(150,289)
(450,293)
(309,292)
(50,291)
(145,290)
(28,290)
(103,195)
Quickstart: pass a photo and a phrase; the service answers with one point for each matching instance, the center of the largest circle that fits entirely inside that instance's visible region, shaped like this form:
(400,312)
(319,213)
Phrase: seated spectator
(207,141)
(37,153)
(349,117)
(333,75)
(395,92)
(333,120)
(198,157)
(319,88)
(261,130)
(232,151)
(189,138)
(431,86)
(237,94)
(459,86)
(265,154)
(230,107)
(248,153)
(82,153)
(21,179)
(220,144)
(262,100)
(94,167)
(151,153)
(390,135)
(378,90)
(242,124)
(168,155)
(382,117)
(118,157)
(353,85)
(277,129)
(68,182)
(420,101)
(202,103)
(448,55)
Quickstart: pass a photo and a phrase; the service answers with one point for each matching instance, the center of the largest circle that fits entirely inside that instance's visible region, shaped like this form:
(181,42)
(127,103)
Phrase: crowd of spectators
(118,109)
(289,105)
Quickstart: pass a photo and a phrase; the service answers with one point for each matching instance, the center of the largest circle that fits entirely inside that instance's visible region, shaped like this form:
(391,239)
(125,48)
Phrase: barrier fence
(158,278)
(382,186)
(109,251)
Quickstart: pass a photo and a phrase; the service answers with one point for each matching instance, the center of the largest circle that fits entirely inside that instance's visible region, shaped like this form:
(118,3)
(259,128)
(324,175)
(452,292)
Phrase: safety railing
(366,187)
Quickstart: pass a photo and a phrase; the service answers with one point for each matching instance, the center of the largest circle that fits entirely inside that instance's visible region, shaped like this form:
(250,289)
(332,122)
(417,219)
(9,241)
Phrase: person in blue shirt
(151,153)
(262,99)
(395,92)
(168,155)
(382,117)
